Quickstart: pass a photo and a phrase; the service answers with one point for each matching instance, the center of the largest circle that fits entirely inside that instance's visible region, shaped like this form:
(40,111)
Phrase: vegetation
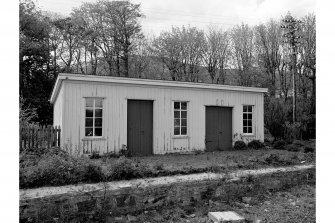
(240,145)
(54,167)
(256,144)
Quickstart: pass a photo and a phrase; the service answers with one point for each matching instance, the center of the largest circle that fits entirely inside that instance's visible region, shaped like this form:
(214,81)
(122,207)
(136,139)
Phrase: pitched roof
(147,82)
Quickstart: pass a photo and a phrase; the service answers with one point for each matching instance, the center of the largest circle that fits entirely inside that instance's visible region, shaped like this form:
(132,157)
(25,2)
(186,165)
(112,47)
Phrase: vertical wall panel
(115,114)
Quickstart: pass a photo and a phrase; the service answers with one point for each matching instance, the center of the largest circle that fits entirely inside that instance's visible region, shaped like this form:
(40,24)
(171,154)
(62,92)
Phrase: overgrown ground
(294,205)
(224,160)
(55,167)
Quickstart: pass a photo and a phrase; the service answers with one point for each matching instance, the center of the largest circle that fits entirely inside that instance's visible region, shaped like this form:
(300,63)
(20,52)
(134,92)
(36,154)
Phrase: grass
(288,197)
(294,205)
(227,160)
(55,167)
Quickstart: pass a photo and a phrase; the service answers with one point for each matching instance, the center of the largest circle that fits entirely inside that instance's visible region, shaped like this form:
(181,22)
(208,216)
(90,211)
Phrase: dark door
(139,127)
(218,128)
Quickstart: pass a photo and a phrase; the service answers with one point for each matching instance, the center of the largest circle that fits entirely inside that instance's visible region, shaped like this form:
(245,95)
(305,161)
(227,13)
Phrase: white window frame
(252,120)
(180,110)
(93,117)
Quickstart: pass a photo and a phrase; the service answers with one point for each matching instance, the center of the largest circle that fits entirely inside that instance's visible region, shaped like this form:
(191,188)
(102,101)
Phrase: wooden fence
(34,136)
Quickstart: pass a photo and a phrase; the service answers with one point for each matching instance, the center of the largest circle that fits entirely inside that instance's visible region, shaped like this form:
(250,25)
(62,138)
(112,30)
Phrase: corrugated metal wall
(115,108)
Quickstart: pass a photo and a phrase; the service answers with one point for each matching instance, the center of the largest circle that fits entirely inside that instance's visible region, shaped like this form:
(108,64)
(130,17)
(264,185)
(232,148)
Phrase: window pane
(184,122)
(244,123)
(98,102)
(89,112)
(250,108)
(98,112)
(176,122)
(245,130)
(245,116)
(98,132)
(88,131)
(89,122)
(176,105)
(249,116)
(249,122)
(244,108)
(184,114)
(183,130)
(176,130)
(98,122)
(177,114)
(184,105)
(249,129)
(89,102)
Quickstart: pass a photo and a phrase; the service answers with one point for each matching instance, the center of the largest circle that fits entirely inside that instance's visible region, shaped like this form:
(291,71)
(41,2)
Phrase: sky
(162,14)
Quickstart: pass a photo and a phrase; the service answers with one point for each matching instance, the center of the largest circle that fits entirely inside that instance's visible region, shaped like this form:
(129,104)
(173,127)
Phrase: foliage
(240,145)
(268,41)
(275,114)
(36,77)
(216,54)
(26,115)
(279,144)
(181,50)
(243,52)
(54,170)
(256,144)
(125,169)
(292,147)
(292,131)
(274,159)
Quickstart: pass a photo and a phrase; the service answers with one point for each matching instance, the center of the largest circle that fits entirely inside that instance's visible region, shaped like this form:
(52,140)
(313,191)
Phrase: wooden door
(218,128)
(140,127)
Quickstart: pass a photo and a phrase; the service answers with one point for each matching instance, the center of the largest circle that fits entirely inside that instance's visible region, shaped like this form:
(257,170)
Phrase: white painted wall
(58,115)
(115,114)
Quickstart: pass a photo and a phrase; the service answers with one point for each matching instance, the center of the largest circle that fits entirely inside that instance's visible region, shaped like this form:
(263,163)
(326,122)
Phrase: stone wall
(96,205)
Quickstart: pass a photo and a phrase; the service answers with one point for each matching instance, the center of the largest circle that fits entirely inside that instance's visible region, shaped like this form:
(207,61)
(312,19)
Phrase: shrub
(292,131)
(125,169)
(58,169)
(279,144)
(292,147)
(240,145)
(275,113)
(92,173)
(95,155)
(256,144)
(309,149)
(124,152)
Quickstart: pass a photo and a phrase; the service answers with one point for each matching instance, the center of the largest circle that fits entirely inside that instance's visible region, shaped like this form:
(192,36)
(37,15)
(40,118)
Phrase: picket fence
(34,136)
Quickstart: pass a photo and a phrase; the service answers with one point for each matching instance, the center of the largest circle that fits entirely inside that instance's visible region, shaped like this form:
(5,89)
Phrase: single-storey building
(107,114)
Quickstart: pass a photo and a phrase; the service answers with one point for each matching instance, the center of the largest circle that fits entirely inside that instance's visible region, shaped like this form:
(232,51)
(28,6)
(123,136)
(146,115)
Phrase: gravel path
(26,194)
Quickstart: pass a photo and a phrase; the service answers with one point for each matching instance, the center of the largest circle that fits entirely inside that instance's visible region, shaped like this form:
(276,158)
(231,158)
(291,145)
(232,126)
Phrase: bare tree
(268,39)
(168,47)
(243,52)
(216,54)
(307,52)
(68,41)
(87,19)
(192,42)
(124,18)
(140,57)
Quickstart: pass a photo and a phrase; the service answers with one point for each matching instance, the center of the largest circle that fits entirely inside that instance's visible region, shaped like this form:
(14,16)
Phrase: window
(93,117)
(247,119)
(180,118)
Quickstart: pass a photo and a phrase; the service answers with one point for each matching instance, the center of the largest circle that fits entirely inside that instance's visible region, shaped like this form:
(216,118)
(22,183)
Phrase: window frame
(252,120)
(94,108)
(180,110)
